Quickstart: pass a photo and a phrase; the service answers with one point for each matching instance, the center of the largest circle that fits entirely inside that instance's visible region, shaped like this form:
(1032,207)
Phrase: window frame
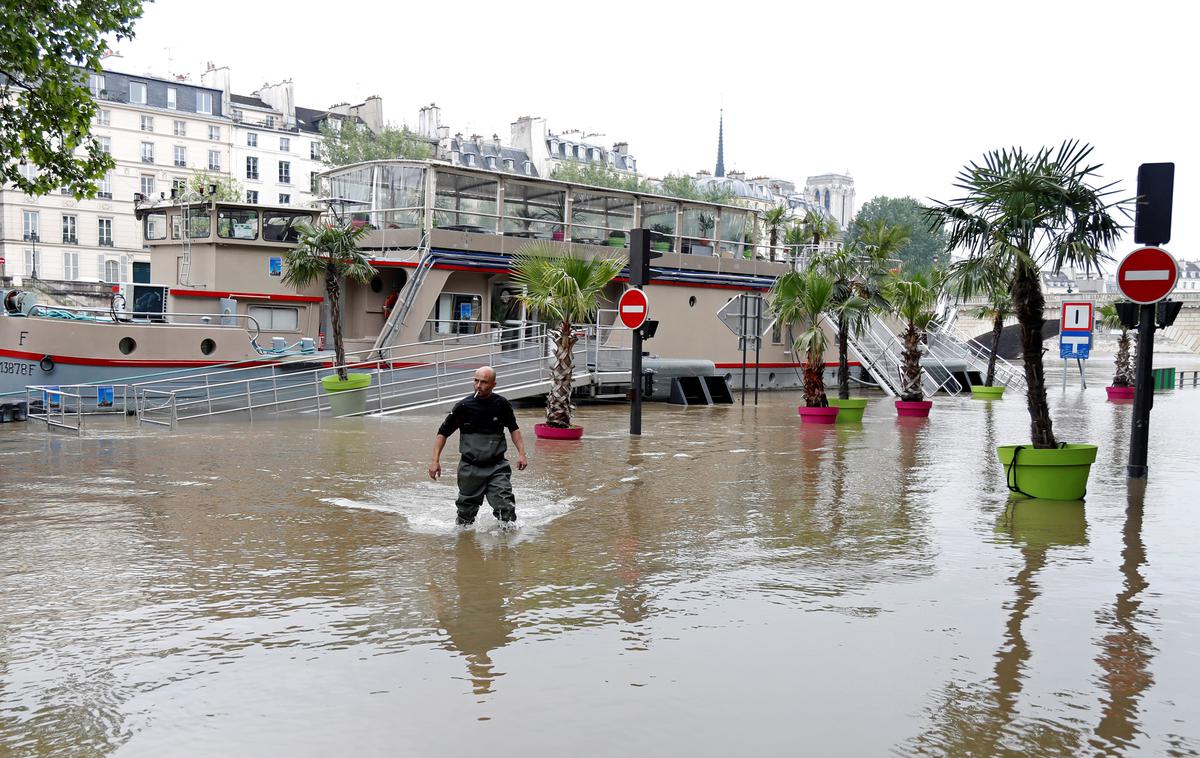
(142,89)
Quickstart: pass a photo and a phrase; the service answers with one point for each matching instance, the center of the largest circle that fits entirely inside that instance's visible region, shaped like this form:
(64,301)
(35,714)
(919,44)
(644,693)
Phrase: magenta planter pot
(547,432)
(913,408)
(818,415)
(1120,393)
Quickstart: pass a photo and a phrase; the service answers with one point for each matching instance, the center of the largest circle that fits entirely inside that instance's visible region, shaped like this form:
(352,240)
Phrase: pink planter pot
(547,432)
(818,415)
(1120,393)
(913,408)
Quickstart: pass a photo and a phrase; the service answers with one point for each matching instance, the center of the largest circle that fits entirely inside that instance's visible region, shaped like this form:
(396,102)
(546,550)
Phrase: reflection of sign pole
(1146,276)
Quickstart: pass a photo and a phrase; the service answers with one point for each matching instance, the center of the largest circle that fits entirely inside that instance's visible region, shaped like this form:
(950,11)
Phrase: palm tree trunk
(1123,377)
(1029,304)
(333,294)
(997,328)
(912,365)
(843,359)
(814,386)
(558,401)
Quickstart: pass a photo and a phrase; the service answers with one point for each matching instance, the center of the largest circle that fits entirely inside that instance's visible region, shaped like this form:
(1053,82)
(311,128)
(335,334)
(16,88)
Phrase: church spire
(721,146)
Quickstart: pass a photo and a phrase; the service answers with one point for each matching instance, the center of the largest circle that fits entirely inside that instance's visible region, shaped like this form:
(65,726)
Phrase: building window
(252,196)
(178,185)
(147,184)
(251,167)
(147,123)
(105,232)
(70,230)
(237,114)
(528,168)
(171,98)
(285,199)
(106,186)
(103,117)
(509,164)
(251,139)
(269,121)
(285,145)
(180,128)
(105,144)
(27,170)
(214,133)
(285,172)
(470,159)
(29,225)
(204,102)
(70,265)
(180,156)
(112,271)
(314,150)
(137,93)
(96,85)
(147,152)
(214,160)
(312,182)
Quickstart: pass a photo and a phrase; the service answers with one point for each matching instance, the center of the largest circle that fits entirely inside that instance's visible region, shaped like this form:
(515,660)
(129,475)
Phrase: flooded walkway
(732,583)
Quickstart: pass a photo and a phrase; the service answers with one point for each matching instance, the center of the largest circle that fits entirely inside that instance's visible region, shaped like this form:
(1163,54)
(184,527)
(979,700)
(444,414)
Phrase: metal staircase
(408,296)
(881,353)
(952,348)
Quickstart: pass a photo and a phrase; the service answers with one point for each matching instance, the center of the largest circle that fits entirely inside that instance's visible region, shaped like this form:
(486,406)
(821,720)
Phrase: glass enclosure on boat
(422,195)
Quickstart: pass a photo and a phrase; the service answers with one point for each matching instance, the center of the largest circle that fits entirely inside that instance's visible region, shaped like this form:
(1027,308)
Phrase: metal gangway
(415,376)
(881,353)
(951,347)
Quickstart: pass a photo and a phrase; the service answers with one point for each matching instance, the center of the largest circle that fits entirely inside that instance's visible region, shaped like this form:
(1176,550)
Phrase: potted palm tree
(966,281)
(706,222)
(858,271)
(565,290)
(1022,211)
(330,252)
(1122,382)
(913,298)
(802,298)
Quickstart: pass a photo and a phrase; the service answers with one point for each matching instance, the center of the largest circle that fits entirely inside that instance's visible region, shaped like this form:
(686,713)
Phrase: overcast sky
(901,95)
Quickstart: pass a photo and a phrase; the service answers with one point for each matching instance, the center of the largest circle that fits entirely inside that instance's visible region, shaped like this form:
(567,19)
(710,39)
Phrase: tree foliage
(229,190)
(47,48)
(599,176)
(351,143)
(924,244)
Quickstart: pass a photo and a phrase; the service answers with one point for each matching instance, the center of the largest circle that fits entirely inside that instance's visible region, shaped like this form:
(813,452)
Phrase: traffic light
(1152,219)
(640,256)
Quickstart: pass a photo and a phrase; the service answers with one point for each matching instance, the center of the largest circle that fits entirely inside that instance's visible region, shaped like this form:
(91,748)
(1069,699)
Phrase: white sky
(900,94)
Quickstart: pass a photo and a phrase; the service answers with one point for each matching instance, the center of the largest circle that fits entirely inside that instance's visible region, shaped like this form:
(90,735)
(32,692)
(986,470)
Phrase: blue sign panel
(104,397)
(1075,344)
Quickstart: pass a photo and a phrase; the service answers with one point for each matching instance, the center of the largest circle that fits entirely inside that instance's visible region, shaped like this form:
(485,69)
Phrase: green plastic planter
(1055,474)
(348,397)
(980,392)
(851,410)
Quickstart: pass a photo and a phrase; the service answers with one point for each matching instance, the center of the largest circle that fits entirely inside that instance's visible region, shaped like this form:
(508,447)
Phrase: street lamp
(33,240)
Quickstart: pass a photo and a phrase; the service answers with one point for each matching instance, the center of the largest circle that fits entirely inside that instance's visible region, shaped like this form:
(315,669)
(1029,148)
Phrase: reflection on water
(297,587)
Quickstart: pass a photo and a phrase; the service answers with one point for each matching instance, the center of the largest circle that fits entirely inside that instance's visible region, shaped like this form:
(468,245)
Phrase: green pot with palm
(1021,212)
(565,291)
(329,252)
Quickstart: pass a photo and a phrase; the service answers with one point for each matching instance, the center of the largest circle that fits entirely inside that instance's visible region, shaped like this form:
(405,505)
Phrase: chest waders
(484,472)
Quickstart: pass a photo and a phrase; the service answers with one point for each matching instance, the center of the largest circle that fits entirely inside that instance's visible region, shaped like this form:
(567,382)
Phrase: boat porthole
(376,284)
(207,346)
(46,364)
(692,301)
(127,345)
(771,378)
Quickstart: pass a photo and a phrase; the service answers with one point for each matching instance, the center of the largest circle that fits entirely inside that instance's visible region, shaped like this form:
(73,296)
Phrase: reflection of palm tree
(977,718)
(476,623)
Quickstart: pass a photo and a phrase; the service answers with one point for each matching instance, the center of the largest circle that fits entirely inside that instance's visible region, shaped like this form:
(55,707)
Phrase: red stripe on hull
(247,295)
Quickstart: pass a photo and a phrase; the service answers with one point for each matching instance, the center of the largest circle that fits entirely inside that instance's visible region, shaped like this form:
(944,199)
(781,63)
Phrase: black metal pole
(635,371)
(757,341)
(1143,395)
(742,308)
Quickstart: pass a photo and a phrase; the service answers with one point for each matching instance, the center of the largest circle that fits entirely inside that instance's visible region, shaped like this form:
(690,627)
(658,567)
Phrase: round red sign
(1147,275)
(633,308)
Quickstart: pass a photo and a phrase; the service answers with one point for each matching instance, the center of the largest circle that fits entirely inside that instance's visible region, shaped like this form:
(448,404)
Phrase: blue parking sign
(1075,344)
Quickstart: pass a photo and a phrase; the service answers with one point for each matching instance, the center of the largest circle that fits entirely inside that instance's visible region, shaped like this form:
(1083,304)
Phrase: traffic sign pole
(1143,395)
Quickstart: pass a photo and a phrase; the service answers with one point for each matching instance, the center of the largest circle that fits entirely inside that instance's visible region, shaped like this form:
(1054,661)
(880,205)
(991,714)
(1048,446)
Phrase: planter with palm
(801,298)
(853,297)
(1122,382)
(564,291)
(706,222)
(913,298)
(330,252)
(1022,211)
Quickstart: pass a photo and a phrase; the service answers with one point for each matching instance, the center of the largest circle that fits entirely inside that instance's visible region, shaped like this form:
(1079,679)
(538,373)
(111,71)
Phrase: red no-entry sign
(633,308)
(1147,275)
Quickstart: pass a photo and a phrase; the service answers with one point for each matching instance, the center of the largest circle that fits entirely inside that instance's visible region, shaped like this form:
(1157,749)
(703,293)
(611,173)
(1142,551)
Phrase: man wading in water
(481,419)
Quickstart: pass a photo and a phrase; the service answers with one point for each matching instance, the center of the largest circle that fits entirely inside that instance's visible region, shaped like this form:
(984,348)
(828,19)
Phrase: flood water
(731,583)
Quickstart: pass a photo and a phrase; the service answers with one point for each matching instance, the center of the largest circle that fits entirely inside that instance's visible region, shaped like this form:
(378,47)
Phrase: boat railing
(242,321)
(948,344)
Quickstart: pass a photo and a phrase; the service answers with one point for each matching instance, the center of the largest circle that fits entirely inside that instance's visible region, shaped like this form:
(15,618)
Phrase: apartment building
(159,132)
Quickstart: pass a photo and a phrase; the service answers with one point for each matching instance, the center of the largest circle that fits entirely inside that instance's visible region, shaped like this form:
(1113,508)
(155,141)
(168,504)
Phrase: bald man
(481,419)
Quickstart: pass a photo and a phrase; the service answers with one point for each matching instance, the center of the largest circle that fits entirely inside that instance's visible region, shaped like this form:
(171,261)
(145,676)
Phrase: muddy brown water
(731,583)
